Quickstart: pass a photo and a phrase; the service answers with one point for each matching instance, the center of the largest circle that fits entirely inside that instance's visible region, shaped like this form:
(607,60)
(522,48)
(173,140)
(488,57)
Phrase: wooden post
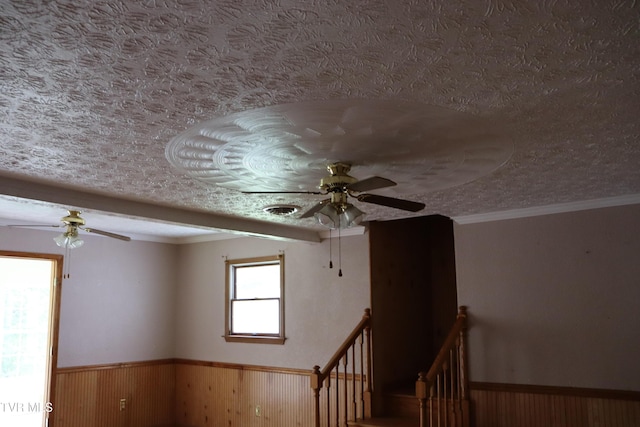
(316,385)
(369,392)
(464,381)
(337,395)
(354,407)
(362,376)
(421,394)
(345,361)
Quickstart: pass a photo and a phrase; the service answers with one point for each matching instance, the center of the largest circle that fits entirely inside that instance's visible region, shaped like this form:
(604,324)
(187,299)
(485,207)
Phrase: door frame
(54,322)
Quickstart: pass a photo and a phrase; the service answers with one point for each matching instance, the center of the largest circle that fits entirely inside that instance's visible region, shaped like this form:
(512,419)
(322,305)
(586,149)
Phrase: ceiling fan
(73,222)
(336,211)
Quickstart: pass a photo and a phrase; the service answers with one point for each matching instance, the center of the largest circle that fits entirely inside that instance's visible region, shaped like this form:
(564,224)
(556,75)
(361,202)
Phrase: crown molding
(630,199)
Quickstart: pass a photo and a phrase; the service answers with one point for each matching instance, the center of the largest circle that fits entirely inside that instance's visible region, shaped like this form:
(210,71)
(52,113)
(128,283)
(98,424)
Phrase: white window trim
(257,338)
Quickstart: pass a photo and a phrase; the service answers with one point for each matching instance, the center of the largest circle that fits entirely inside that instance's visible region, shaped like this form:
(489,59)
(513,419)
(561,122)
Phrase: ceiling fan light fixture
(69,239)
(352,215)
(339,216)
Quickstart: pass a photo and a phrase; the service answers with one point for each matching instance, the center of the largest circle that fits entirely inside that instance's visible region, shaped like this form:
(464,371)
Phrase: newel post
(421,394)
(464,381)
(368,395)
(464,367)
(316,385)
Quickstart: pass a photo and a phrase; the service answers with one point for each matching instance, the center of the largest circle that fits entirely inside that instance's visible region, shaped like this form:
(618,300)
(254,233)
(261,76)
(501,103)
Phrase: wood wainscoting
(508,405)
(182,393)
(90,395)
(188,393)
(221,394)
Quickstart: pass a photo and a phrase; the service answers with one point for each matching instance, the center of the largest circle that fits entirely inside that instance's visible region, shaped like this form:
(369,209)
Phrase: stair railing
(348,395)
(443,391)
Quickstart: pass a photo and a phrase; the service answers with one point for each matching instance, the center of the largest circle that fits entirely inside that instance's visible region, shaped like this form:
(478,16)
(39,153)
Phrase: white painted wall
(130,301)
(321,308)
(118,304)
(554,300)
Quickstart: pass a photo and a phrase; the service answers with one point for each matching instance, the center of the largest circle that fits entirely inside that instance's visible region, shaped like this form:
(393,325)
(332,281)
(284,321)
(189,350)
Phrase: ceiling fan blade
(106,233)
(405,205)
(34,225)
(315,208)
(369,184)
(282,192)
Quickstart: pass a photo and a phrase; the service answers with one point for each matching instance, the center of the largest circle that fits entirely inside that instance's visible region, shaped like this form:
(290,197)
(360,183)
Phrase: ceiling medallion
(287,147)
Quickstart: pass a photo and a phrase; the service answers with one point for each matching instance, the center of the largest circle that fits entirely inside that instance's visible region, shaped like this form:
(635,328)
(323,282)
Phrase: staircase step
(401,405)
(385,422)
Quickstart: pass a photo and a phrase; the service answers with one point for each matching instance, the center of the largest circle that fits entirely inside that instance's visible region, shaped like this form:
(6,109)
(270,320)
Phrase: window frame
(230,265)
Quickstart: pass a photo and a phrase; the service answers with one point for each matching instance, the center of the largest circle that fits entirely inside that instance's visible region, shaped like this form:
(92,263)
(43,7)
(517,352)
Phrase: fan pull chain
(339,250)
(330,261)
(67,262)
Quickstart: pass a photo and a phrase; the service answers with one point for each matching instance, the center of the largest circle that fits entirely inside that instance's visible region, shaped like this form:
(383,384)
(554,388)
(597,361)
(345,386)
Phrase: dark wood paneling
(413,295)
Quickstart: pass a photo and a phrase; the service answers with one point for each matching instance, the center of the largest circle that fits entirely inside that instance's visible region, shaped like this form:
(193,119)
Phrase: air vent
(281,209)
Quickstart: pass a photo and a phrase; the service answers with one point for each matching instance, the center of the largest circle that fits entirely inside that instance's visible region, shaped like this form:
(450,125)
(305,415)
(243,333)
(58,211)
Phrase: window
(255,300)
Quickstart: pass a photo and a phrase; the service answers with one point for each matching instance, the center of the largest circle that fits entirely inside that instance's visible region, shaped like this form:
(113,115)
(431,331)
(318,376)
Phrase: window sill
(256,339)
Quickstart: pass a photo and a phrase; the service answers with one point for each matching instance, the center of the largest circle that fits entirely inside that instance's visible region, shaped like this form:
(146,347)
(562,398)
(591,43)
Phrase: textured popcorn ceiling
(91,93)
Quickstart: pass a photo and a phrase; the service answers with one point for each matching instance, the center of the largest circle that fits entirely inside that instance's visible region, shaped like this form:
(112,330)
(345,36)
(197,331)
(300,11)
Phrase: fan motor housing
(339,179)
(73,219)
(337,183)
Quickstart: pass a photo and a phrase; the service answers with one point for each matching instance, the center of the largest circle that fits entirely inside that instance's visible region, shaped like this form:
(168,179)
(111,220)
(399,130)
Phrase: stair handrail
(441,359)
(428,384)
(318,376)
(364,323)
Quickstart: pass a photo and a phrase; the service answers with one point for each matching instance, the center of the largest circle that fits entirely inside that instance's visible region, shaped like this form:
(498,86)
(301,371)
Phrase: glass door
(28,306)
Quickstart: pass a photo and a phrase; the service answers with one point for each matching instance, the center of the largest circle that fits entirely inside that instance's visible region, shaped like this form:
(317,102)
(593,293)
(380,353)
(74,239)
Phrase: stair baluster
(446,382)
(337,397)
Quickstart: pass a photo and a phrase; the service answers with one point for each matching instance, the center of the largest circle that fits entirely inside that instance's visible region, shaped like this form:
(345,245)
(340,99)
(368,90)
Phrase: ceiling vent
(281,210)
